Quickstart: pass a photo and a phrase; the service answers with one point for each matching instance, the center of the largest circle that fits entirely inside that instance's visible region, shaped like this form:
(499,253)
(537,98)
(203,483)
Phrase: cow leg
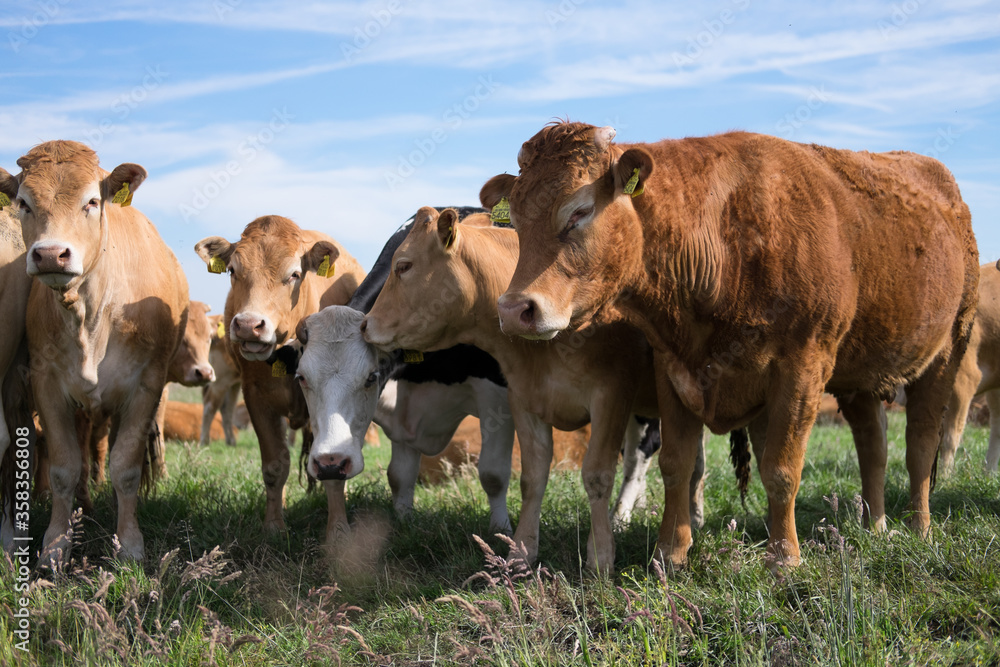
(209,406)
(337,526)
(404,467)
(680,433)
(228,409)
(866,416)
(535,437)
(274,457)
(792,407)
(957,411)
(496,430)
(993,451)
(85,430)
(926,400)
(65,465)
(635,465)
(131,431)
(610,418)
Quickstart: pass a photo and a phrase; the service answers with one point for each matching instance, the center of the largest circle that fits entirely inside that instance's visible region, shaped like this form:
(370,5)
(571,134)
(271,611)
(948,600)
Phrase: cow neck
(491,255)
(84,309)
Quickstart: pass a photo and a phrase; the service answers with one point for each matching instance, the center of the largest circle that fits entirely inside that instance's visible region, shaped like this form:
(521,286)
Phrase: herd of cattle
(649,290)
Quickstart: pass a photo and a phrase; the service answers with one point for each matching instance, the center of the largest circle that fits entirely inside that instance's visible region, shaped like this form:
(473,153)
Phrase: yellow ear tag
(412,356)
(325,268)
(278,369)
(4,201)
(220,331)
(500,215)
(123,196)
(629,188)
(216,265)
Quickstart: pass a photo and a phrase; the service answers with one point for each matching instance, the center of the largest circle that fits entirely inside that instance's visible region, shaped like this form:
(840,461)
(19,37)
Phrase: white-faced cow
(106,312)
(443,292)
(279,275)
(761,271)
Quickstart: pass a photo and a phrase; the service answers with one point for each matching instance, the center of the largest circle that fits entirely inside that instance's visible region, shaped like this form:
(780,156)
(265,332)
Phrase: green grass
(426,592)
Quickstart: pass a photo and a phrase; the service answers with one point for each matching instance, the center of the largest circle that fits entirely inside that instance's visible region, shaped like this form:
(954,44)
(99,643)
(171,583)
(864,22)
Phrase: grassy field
(214,589)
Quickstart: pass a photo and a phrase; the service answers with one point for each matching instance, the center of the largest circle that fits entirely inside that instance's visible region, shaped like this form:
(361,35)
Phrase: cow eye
(578,215)
(23,205)
(92,204)
(402,266)
(295,277)
(372,379)
(301,380)
(232,273)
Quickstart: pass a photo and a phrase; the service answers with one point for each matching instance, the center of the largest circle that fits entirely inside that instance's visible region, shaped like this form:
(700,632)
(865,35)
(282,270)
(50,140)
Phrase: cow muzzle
(199,375)
(54,263)
(332,466)
(522,315)
(254,335)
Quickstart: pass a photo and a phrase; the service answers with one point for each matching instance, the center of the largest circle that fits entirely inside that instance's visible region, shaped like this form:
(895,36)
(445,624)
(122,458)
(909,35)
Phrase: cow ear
(8,184)
(320,258)
(425,216)
(215,251)
(496,189)
(129,173)
(302,331)
(627,179)
(447,226)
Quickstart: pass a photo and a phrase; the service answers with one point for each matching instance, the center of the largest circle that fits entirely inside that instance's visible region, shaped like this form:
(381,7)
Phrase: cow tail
(739,454)
(154,466)
(307,440)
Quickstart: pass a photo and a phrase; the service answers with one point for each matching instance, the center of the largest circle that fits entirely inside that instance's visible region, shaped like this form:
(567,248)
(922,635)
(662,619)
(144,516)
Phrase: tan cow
(221,394)
(106,313)
(443,291)
(979,373)
(761,271)
(273,272)
(15,408)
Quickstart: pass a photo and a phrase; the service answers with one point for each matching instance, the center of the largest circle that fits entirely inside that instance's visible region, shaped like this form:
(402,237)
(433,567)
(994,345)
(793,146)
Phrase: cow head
(189,365)
(430,290)
(578,233)
(268,267)
(62,196)
(341,377)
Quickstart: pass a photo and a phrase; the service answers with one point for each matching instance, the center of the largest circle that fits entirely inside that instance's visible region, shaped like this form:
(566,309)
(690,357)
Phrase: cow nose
(246,326)
(332,466)
(51,259)
(517,314)
(204,373)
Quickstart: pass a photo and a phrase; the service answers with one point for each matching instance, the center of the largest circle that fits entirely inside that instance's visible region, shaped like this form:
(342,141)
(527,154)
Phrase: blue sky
(347,117)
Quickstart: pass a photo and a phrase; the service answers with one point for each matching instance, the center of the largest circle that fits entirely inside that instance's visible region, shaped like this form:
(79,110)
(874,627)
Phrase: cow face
(189,365)
(267,267)
(340,377)
(62,196)
(578,233)
(429,288)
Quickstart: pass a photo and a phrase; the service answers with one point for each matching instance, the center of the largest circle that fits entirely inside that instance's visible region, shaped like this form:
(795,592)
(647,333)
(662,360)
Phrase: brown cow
(221,394)
(979,373)
(106,313)
(761,271)
(15,408)
(443,292)
(273,271)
